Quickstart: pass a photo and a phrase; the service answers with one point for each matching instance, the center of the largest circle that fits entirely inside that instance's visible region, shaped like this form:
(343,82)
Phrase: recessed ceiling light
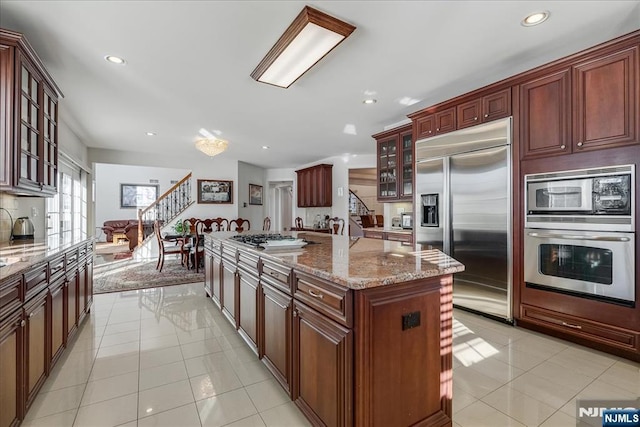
(369,101)
(265,147)
(115,59)
(535,19)
(150,133)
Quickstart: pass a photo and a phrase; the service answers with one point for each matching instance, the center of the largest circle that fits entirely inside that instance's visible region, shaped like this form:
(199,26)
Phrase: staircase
(356,208)
(167,207)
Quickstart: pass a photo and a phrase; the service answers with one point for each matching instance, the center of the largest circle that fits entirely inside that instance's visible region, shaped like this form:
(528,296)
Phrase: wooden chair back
(380,220)
(239,225)
(336,225)
(367,221)
(266,224)
(298,224)
(222,224)
(191,223)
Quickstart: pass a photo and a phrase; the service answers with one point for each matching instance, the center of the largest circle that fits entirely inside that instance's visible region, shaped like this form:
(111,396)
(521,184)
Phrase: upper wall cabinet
(605,101)
(395,164)
(314,186)
(589,105)
(491,107)
(29,118)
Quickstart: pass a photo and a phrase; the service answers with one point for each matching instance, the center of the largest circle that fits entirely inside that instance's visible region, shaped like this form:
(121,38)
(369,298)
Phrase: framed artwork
(255,194)
(215,191)
(137,196)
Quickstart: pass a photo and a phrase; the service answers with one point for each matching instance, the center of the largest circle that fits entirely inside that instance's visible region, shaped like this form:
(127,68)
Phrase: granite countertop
(356,263)
(18,255)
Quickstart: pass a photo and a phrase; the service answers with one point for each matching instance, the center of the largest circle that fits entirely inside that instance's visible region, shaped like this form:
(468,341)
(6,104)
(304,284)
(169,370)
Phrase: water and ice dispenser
(429,217)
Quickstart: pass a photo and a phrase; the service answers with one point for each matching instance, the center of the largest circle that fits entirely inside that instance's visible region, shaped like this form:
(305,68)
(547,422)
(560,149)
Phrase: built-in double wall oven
(579,233)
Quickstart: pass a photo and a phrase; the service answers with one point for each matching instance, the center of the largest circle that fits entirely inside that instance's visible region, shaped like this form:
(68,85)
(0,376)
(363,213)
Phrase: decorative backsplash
(10,203)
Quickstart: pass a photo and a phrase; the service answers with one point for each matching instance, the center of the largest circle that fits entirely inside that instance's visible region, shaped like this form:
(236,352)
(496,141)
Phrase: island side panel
(403,377)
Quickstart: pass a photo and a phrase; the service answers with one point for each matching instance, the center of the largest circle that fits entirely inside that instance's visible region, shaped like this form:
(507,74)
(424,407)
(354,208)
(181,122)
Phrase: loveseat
(116,226)
(131,231)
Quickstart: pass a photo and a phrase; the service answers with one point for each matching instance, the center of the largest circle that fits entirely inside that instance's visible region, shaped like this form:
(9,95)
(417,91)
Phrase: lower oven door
(597,265)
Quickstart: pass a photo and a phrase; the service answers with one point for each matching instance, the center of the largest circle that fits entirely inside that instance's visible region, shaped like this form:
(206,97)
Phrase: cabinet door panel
(58,331)
(217,282)
(248,304)
(469,113)
(36,345)
(323,367)
(426,126)
(229,292)
(606,101)
(11,336)
(276,342)
(72,303)
(544,114)
(497,105)
(446,120)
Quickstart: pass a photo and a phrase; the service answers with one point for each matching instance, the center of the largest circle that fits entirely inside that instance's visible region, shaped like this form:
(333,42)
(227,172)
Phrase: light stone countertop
(356,263)
(19,255)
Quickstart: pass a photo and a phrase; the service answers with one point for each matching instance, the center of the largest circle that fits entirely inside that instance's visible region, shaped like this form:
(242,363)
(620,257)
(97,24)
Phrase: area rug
(129,274)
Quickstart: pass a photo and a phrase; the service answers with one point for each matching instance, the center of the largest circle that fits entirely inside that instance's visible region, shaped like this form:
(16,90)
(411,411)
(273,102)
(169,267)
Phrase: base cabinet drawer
(333,301)
(601,333)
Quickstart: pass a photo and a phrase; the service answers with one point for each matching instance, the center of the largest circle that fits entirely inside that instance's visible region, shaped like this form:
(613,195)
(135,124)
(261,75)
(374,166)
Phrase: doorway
(282,214)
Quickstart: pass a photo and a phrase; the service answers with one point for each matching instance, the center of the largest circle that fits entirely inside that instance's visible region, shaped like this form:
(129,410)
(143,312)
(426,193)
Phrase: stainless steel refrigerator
(463,207)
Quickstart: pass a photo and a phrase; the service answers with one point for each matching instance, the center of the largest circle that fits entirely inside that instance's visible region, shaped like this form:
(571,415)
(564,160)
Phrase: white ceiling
(188,66)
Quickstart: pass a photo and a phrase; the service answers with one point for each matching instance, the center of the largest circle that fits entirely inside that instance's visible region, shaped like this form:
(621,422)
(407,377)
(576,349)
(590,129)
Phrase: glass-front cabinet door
(406,145)
(387,169)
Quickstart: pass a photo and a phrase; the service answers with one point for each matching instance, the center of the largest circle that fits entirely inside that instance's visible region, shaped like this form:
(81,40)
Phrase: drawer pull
(22,323)
(569,325)
(315,295)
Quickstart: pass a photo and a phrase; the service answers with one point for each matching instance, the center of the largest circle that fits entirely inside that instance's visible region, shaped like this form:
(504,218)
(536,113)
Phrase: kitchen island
(357,331)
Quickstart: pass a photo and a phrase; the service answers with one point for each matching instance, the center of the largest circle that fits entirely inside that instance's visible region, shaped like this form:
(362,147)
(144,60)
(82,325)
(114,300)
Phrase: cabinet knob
(476,118)
(437,129)
(429,131)
(579,144)
(22,323)
(295,313)
(562,147)
(486,115)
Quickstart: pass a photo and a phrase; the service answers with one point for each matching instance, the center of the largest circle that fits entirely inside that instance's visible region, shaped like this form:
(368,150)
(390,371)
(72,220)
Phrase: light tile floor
(167,357)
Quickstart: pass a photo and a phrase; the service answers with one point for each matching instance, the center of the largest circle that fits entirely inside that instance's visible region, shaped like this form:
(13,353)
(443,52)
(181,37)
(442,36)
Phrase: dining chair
(238,225)
(379,221)
(298,224)
(336,225)
(196,249)
(222,224)
(191,222)
(266,224)
(165,249)
(207,225)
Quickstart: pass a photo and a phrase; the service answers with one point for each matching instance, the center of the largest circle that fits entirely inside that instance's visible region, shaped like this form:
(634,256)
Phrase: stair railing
(166,207)
(357,206)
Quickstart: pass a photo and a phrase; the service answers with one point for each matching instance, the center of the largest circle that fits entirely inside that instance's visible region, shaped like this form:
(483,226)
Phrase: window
(67,210)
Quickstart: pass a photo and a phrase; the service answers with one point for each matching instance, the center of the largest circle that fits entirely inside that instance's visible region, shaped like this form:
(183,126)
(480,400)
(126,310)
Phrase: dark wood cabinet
(481,110)
(248,288)
(72,302)
(606,101)
(322,367)
(229,285)
(545,114)
(276,328)
(435,123)
(35,324)
(36,348)
(82,291)
(212,272)
(11,367)
(395,153)
(58,318)
(30,139)
(314,186)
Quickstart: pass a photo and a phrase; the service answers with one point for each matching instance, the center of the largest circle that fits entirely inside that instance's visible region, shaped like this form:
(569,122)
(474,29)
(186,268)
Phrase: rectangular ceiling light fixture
(308,39)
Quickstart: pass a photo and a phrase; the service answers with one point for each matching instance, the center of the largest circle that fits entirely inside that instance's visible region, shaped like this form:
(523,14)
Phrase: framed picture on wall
(215,191)
(255,194)
(137,196)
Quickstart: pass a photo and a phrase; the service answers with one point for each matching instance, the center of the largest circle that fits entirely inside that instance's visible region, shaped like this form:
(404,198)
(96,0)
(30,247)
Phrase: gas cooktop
(259,239)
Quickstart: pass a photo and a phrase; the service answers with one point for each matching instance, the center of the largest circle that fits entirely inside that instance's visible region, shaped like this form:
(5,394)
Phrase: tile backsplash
(10,203)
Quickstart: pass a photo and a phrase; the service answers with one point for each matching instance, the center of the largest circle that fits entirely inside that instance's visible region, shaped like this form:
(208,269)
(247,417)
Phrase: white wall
(251,174)
(108,179)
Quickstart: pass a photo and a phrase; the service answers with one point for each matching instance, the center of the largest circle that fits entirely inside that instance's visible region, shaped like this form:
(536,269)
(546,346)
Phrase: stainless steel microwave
(582,199)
